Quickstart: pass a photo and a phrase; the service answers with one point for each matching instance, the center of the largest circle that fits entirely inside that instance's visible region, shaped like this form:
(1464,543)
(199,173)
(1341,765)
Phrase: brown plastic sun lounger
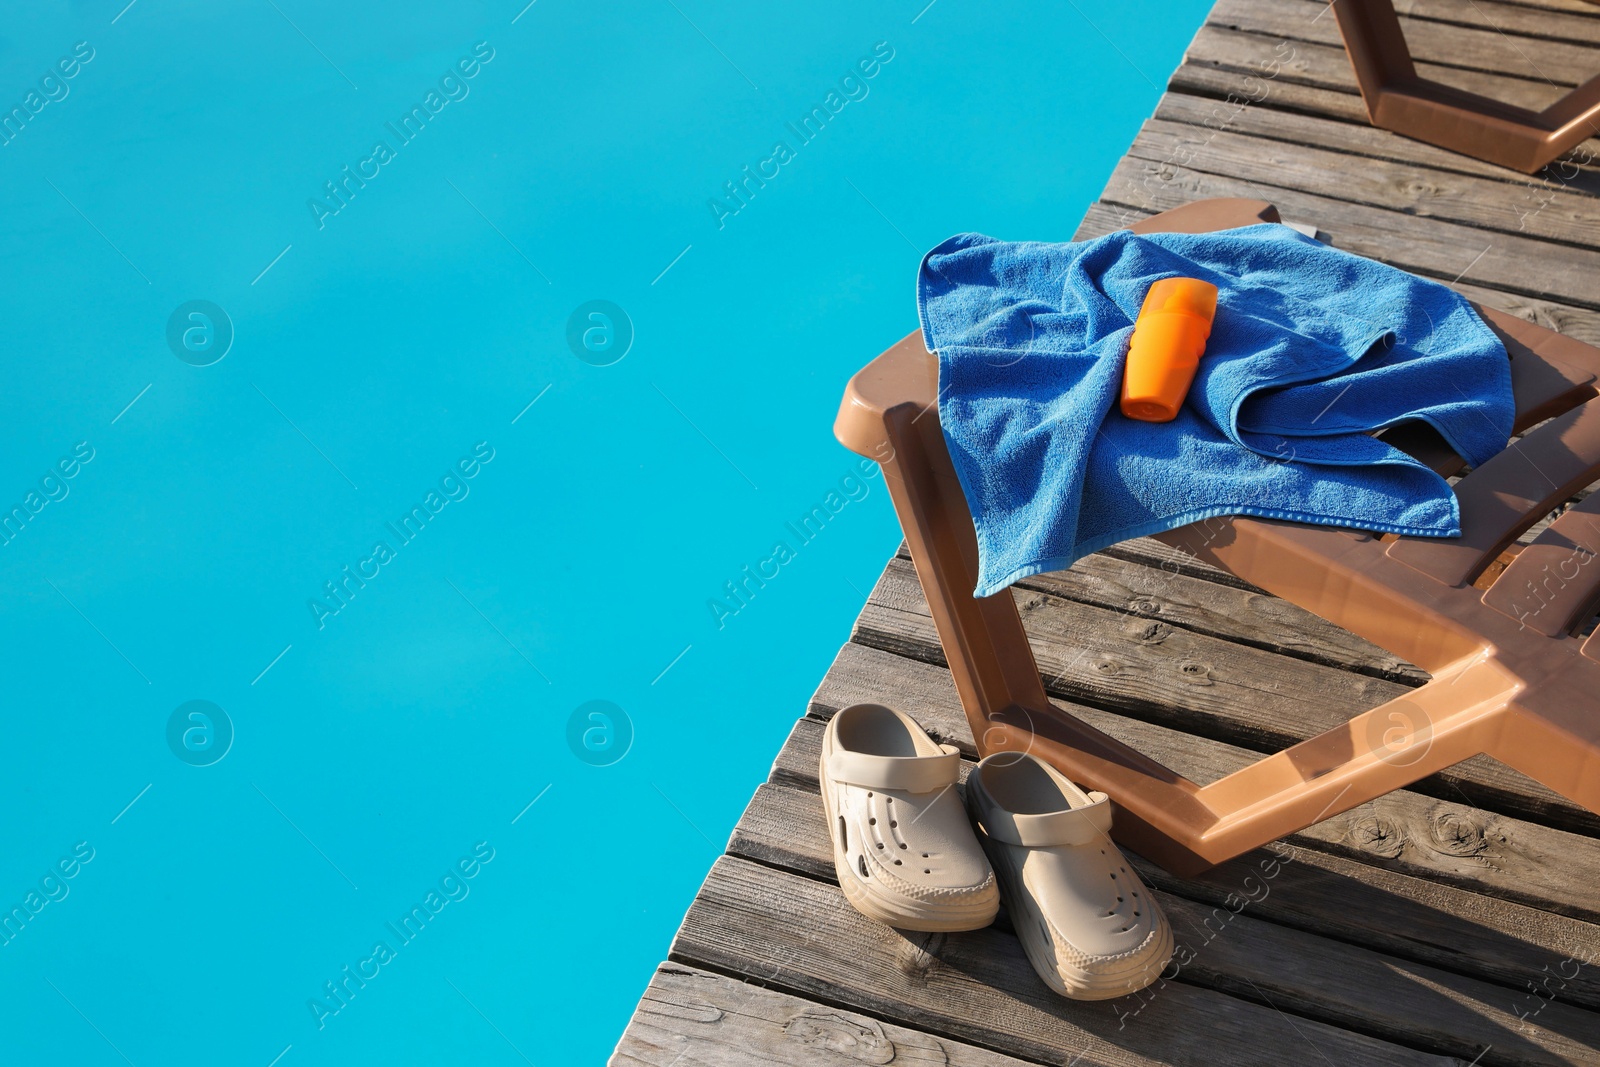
(1400,100)
(1509,678)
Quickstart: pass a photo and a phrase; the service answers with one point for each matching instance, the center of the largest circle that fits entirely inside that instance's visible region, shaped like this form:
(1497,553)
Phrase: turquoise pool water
(399,401)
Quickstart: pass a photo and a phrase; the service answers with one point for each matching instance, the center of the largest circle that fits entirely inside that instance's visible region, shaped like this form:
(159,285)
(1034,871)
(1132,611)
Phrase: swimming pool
(422,521)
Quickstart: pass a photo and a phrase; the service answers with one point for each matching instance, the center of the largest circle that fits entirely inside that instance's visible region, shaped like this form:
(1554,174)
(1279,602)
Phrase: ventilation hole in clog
(924,855)
(895,836)
(1119,900)
(897,863)
(927,870)
(872,822)
(869,794)
(880,844)
(1113,877)
(862,862)
(1136,913)
(844,837)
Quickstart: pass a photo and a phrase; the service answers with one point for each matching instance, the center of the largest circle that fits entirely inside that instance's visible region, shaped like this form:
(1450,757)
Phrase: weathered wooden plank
(1150,580)
(694,1018)
(1244,45)
(1511,944)
(802,936)
(1226,946)
(1244,70)
(1432,247)
(1402,915)
(1440,48)
(1234,612)
(1234,615)
(1406,831)
(1152,553)
(1271,69)
(1574,7)
(1425,192)
(1580,323)
(1206,115)
(1149,667)
(1581,26)
(1378,995)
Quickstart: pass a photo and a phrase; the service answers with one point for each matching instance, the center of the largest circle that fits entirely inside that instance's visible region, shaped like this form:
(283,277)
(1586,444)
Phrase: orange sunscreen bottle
(1168,339)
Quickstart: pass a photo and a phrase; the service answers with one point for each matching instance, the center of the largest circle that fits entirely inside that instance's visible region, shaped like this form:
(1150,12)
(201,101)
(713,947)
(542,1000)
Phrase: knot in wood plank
(1195,673)
(1458,833)
(849,1037)
(1148,632)
(916,960)
(1420,192)
(1378,835)
(1028,602)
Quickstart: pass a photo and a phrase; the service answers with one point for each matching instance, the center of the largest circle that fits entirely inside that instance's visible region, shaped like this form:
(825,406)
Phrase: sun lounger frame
(1398,99)
(1509,679)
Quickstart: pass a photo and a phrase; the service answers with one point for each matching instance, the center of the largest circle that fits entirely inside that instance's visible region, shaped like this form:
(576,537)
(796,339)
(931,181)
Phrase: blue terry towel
(1311,349)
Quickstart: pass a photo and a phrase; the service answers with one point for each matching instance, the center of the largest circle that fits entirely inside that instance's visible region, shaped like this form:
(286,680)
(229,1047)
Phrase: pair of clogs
(909,853)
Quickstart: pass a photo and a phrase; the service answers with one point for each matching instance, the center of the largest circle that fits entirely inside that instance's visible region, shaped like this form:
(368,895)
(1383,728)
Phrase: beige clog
(903,845)
(1087,923)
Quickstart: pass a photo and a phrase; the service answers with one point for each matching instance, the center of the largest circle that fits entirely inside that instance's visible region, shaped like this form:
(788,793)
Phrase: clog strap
(912,774)
(1074,826)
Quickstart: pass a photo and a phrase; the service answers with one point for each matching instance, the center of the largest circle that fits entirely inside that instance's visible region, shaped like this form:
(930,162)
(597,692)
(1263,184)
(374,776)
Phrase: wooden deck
(1457,922)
